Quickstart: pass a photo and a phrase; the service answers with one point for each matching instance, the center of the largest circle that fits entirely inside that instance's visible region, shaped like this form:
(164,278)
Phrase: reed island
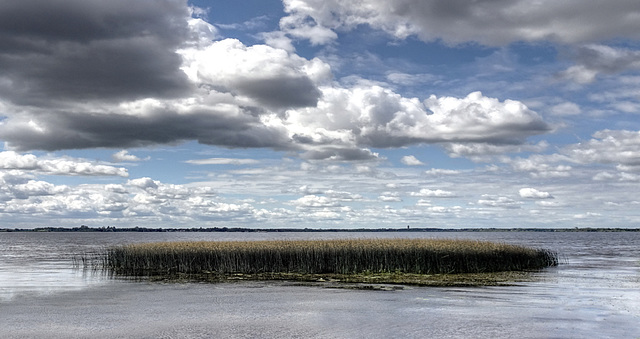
(426,262)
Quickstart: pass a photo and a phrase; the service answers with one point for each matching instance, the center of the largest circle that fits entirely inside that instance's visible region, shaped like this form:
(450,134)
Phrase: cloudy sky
(320,113)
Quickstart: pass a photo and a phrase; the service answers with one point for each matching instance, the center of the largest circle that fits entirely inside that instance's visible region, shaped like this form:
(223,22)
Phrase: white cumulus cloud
(498,201)
(411,160)
(438,193)
(532,193)
(124,156)
(11,160)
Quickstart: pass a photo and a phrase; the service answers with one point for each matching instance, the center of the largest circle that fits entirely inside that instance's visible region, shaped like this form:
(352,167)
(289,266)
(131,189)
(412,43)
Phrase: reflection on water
(595,292)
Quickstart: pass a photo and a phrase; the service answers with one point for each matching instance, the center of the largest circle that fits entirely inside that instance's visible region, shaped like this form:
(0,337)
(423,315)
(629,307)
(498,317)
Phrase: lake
(593,293)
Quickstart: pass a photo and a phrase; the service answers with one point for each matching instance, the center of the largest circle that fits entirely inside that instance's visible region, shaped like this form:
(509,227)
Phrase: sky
(320,113)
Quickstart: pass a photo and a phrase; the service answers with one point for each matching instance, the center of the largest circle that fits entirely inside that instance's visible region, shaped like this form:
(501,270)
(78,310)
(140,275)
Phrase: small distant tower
(407,226)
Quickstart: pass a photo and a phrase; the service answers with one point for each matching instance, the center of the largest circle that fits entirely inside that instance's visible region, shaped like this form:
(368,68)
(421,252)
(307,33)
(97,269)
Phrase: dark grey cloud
(91,49)
(607,59)
(506,135)
(73,75)
(65,130)
(134,73)
(283,92)
(489,22)
(593,60)
(88,20)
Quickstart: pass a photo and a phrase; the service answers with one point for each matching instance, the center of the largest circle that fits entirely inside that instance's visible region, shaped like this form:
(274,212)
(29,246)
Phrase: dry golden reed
(418,256)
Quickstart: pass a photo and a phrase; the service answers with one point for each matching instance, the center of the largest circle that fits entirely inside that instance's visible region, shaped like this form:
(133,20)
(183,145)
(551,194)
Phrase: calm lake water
(593,293)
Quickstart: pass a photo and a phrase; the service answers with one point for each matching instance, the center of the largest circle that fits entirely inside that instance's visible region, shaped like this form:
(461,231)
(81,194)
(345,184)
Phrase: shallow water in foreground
(595,292)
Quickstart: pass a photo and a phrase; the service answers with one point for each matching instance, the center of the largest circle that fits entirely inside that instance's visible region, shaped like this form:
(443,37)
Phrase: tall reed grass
(418,256)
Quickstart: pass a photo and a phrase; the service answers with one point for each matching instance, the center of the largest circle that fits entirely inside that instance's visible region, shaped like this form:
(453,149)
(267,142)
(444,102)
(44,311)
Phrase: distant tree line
(84,228)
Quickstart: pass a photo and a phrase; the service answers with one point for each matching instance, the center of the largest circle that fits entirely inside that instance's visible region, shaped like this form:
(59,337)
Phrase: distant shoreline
(84,228)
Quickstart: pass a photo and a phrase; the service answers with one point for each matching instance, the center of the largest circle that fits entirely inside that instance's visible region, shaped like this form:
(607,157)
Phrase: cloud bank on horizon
(319,113)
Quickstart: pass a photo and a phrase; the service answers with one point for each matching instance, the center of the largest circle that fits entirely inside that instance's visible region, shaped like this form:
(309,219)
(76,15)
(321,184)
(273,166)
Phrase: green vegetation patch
(396,261)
